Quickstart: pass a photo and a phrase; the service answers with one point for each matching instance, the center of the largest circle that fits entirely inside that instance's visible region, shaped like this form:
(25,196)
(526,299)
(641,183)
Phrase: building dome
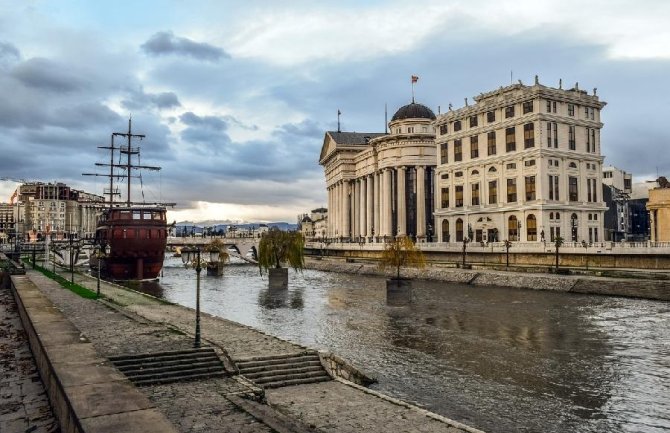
(413,111)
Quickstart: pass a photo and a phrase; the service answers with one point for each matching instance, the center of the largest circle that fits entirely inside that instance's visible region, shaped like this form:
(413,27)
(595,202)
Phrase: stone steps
(166,367)
(283,370)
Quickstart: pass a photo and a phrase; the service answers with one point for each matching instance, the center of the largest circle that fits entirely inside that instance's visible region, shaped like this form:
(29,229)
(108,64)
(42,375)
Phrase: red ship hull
(136,238)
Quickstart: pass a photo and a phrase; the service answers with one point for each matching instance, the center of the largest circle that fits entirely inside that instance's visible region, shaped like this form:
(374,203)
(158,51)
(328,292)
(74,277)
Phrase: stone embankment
(127,322)
(635,288)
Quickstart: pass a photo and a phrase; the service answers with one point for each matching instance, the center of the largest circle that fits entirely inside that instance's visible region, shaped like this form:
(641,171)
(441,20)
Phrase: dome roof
(413,111)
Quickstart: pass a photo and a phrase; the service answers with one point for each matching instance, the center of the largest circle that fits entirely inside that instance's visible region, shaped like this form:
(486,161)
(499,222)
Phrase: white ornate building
(522,164)
(381,184)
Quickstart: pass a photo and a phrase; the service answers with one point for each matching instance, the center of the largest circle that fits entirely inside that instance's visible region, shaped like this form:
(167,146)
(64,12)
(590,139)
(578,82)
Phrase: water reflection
(280,298)
(503,360)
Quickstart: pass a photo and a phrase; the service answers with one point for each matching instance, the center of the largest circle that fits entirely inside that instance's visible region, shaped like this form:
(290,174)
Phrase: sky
(235,97)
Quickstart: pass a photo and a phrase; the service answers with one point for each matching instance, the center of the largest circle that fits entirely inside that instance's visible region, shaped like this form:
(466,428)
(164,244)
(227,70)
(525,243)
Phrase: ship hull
(136,240)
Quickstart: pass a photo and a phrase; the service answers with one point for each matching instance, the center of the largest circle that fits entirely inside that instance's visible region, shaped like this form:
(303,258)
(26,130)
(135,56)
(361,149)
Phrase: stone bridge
(241,245)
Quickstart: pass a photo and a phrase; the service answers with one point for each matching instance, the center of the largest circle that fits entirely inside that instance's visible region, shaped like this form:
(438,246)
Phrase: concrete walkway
(141,324)
(23,402)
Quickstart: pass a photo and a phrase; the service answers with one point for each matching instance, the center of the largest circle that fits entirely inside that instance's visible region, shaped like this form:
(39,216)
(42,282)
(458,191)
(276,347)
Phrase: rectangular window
(444,129)
(509,111)
(491,138)
(445,198)
(473,121)
(551,106)
(410,129)
(573,192)
(529,162)
(553,187)
(475,194)
(571,110)
(444,153)
(592,139)
(511,166)
(459,195)
(457,125)
(592,116)
(510,139)
(530,188)
(458,150)
(527,107)
(586,112)
(511,190)
(588,191)
(552,134)
(528,135)
(491,116)
(474,147)
(493,192)
(571,138)
(595,190)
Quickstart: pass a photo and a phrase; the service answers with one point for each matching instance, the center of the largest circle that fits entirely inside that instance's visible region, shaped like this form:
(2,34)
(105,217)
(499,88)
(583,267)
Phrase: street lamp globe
(214,254)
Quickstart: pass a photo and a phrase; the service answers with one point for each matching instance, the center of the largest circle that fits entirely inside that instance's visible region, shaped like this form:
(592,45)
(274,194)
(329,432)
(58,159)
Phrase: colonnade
(375,205)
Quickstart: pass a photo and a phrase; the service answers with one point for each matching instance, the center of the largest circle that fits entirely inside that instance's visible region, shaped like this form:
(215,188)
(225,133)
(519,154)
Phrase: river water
(499,359)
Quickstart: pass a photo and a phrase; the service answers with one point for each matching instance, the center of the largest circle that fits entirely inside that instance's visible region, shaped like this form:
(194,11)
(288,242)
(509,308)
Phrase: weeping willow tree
(277,247)
(401,252)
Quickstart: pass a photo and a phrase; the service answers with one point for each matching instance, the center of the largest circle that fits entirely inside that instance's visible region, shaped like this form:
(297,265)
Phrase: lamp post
(586,255)
(101,252)
(192,257)
(71,258)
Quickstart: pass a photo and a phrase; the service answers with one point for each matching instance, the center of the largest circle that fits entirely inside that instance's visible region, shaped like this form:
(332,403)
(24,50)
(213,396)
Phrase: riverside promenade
(127,322)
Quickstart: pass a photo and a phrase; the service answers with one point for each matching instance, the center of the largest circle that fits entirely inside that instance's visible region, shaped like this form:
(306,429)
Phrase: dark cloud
(47,75)
(211,122)
(139,100)
(8,54)
(166,43)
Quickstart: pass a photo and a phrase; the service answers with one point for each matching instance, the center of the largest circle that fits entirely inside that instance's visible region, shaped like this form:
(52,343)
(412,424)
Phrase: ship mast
(129,151)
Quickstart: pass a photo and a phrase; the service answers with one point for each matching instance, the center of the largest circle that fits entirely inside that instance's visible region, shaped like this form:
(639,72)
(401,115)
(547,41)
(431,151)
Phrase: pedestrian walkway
(24,406)
(140,324)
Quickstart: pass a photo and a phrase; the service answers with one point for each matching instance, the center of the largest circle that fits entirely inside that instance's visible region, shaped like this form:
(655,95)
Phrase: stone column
(369,216)
(336,210)
(421,202)
(346,228)
(388,211)
(356,198)
(377,205)
(402,208)
(330,210)
(361,206)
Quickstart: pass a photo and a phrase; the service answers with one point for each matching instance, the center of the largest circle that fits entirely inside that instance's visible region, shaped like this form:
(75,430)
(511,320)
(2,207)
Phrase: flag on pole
(415,78)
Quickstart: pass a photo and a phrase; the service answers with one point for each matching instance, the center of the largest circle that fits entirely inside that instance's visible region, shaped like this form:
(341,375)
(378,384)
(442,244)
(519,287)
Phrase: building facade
(54,209)
(380,185)
(7,225)
(522,164)
(659,211)
(617,188)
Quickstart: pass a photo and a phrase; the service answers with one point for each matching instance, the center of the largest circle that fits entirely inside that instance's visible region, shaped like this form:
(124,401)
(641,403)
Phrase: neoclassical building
(381,184)
(522,163)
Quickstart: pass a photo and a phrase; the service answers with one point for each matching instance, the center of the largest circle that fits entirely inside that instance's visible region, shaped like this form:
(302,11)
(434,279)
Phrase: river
(499,359)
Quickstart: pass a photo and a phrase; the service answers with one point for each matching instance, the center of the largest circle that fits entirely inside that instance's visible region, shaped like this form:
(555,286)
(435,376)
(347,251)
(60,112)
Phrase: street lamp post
(101,251)
(192,257)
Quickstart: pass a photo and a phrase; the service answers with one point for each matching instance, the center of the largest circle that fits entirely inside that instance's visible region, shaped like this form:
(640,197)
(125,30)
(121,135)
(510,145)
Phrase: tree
(558,241)
(277,247)
(401,252)
(217,244)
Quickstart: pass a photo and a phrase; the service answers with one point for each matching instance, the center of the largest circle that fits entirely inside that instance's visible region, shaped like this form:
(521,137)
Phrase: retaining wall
(87,394)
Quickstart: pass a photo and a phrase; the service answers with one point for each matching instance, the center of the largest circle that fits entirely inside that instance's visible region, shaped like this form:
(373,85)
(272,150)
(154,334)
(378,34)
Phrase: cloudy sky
(235,97)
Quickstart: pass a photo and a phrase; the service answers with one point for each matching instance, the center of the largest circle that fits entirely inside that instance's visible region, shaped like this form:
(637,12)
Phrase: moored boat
(133,235)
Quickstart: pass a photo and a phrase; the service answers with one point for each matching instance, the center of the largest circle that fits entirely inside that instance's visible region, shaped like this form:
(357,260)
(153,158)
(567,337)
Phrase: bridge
(242,245)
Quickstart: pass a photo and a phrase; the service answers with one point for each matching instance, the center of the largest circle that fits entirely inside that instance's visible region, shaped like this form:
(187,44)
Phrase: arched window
(492,170)
(512,228)
(574,224)
(445,231)
(573,165)
(531,228)
(459,230)
(474,173)
(551,215)
(558,216)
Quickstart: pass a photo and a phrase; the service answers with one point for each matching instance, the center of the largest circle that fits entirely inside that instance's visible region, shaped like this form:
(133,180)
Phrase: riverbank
(128,322)
(627,287)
